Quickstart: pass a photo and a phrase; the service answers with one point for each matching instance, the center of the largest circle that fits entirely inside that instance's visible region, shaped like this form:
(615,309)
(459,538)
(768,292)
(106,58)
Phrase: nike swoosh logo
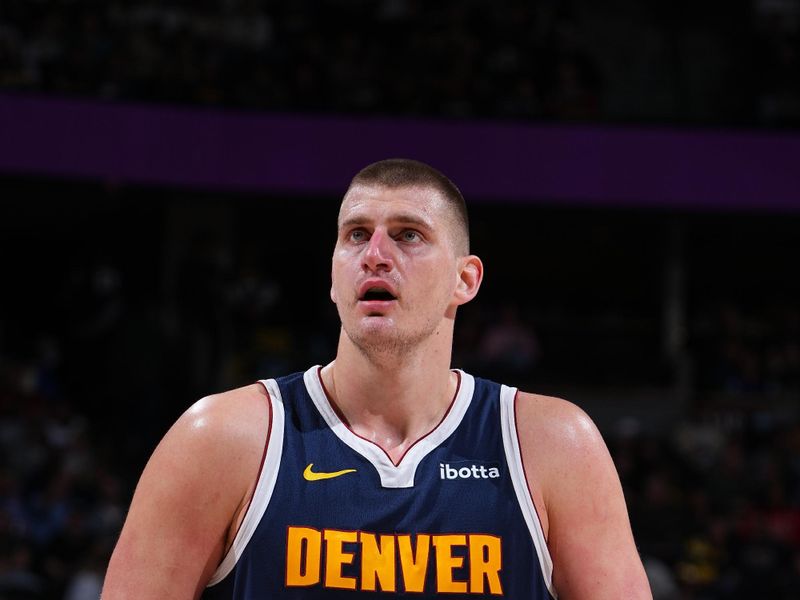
(310,475)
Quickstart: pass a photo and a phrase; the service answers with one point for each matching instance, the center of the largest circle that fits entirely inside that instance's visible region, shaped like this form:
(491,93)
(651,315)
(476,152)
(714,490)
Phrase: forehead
(366,203)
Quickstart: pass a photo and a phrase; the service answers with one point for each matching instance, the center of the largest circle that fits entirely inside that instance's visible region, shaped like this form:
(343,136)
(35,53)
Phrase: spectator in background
(509,345)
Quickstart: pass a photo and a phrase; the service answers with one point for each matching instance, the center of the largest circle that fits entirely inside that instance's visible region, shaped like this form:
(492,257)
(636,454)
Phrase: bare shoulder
(236,416)
(557,424)
(224,430)
(560,447)
(580,501)
(189,498)
(219,442)
(547,407)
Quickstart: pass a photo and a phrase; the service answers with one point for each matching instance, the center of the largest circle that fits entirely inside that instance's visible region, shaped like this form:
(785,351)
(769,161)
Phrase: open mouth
(377,294)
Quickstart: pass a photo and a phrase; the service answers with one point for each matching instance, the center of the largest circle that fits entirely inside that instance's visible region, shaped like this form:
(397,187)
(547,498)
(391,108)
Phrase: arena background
(169,179)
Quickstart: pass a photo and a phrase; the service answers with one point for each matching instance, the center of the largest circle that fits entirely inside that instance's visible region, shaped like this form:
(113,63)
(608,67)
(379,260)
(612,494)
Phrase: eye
(409,235)
(358,235)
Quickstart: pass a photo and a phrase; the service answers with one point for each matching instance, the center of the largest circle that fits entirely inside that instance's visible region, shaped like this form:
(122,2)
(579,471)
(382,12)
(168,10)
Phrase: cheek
(340,280)
(440,284)
(336,279)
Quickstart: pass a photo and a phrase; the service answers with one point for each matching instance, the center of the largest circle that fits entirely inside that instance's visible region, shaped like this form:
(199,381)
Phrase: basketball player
(385,472)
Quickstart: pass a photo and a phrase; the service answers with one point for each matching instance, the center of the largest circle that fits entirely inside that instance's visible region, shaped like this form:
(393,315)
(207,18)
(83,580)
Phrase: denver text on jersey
(308,550)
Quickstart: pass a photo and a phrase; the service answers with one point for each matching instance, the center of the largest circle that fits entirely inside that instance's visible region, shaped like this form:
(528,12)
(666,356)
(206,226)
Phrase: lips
(376,290)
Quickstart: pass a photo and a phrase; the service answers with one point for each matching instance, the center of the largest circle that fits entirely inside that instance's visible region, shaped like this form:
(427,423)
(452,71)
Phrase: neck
(393,401)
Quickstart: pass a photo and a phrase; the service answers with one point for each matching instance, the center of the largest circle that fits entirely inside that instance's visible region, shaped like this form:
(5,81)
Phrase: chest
(343,521)
(335,524)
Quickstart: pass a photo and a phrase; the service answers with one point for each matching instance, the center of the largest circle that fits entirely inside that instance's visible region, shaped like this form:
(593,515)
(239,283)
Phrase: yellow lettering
(335,557)
(485,560)
(378,555)
(303,548)
(446,562)
(414,565)
(377,562)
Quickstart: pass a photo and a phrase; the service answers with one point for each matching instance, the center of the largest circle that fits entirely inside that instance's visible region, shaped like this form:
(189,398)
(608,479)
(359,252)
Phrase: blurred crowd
(715,507)
(713,62)
(61,501)
(393,57)
(747,351)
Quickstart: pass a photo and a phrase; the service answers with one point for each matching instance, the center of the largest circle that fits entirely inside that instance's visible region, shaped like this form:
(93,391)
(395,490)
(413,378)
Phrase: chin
(371,330)
(376,327)
(380,337)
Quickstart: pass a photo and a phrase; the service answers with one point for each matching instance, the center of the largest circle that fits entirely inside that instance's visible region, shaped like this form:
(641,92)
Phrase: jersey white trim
(517,472)
(264,487)
(392,476)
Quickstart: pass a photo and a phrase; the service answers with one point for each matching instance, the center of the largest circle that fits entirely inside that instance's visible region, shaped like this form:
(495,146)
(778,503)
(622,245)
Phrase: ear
(470,276)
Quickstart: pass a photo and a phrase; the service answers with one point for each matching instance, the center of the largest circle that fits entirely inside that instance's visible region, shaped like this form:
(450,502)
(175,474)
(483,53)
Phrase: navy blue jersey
(333,517)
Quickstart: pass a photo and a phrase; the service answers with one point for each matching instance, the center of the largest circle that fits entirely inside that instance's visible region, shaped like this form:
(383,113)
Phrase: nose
(378,253)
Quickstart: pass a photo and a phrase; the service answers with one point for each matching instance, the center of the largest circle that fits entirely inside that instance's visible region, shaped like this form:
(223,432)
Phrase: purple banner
(182,146)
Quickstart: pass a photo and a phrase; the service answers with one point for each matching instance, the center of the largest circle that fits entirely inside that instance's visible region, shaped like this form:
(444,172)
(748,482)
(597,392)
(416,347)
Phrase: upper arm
(589,533)
(195,483)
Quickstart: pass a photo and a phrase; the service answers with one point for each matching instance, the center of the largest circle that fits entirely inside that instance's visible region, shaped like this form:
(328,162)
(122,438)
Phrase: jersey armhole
(508,416)
(267,476)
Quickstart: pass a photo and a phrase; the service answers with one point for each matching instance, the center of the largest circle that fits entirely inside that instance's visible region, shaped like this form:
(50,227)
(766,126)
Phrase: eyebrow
(402,218)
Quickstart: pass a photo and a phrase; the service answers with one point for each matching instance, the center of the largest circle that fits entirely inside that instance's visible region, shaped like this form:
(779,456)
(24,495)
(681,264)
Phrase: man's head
(394,173)
(401,266)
